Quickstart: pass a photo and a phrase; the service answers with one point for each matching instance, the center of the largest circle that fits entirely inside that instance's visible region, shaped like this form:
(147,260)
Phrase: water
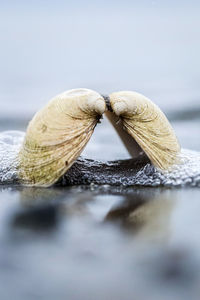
(71,243)
(100,242)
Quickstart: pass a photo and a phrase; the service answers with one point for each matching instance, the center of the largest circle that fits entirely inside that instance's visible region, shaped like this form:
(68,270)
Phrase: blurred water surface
(100,242)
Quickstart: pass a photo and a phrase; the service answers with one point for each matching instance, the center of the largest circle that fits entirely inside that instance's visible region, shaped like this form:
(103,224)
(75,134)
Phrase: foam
(187,173)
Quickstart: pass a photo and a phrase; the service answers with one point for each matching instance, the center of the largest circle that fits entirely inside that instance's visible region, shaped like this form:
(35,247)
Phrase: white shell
(57,135)
(148,126)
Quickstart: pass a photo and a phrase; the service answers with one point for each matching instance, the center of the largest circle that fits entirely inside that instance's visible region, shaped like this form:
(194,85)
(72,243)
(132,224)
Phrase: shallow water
(100,242)
(71,243)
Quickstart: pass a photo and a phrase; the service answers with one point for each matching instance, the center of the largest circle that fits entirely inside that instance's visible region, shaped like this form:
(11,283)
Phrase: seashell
(57,134)
(147,125)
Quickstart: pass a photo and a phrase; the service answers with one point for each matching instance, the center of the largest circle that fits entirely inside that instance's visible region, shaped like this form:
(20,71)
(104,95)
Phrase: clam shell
(57,134)
(148,126)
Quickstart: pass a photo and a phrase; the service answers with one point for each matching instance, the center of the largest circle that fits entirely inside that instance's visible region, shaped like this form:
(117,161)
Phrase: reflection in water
(106,240)
(41,218)
(146,214)
(33,197)
(143,212)
(42,209)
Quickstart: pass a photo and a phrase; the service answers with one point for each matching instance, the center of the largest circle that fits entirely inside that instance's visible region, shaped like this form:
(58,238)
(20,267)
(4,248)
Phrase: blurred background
(100,242)
(151,47)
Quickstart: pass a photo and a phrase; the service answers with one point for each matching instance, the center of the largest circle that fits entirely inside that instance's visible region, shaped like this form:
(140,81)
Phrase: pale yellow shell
(148,126)
(57,135)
